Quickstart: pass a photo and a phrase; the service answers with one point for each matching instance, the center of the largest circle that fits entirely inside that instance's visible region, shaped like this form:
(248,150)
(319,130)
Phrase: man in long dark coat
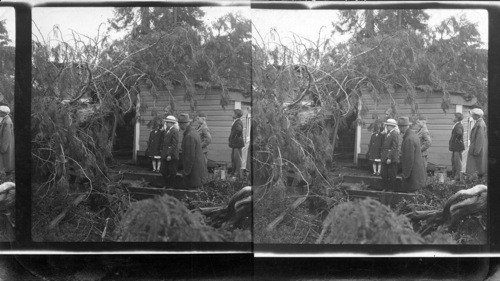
(414,175)
(170,151)
(236,142)
(193,160)
(456,146)
(477,158)
(7,164)
(390,155)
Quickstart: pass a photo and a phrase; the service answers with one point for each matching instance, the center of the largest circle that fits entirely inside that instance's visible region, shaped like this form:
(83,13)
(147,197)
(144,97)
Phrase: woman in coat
(390,155)
(7,164)
(201,127)
(170,150)
(477,159)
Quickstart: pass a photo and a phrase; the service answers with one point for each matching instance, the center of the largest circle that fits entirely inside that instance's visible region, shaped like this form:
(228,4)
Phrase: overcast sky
(307,23)
(87,20)
(8,14)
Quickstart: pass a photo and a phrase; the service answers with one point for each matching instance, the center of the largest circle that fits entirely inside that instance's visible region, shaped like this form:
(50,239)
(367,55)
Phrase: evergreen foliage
(370,222)
(163,219)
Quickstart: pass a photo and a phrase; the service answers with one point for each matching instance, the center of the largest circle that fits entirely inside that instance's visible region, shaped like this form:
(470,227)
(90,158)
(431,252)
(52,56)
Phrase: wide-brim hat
(170,119)
(4,109)
(391,122)
(404,121)
(184,118)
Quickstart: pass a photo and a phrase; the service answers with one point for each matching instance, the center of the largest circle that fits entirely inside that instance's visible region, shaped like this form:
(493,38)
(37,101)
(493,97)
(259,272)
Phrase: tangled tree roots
(367,222)
(163,219)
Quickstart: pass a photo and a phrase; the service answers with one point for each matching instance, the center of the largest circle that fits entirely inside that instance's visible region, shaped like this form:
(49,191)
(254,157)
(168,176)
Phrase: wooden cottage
(219,120)
(439,123)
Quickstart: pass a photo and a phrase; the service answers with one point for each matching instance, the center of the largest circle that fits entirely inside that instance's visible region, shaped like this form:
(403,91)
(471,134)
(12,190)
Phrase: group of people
(387,150)
(163,147)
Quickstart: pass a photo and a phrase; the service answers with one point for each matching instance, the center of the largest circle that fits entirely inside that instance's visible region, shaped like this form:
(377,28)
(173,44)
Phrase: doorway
(124,137)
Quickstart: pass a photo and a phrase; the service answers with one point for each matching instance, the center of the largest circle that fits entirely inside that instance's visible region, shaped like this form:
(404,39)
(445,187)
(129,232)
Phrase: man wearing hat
(390,155)
(170,150)
(236,142)
(6,141)
(192,155)
(477,158)
(414,175)
(456,146)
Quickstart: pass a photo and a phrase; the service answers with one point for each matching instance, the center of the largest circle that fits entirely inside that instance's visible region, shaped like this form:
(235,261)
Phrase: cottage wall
(439,123)
(219,120)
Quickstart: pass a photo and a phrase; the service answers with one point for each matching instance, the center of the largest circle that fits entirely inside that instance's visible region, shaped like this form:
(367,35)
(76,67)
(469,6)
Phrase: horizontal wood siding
(439,123)
(219,120)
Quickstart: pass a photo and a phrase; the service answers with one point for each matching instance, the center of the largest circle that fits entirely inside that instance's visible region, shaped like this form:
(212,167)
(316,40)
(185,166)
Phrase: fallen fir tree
(370,222)
(463,203)
(167,219)
(163,219)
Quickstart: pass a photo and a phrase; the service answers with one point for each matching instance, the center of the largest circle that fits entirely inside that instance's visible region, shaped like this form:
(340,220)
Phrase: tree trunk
(145,20)
(370,23)
(335,130)
(113,131)
(458,206)
(398,13)
(175,10)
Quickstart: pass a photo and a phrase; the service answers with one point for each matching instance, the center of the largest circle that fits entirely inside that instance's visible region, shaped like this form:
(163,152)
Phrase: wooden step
(372,182)
(140,193)
(154,179)
(386,198)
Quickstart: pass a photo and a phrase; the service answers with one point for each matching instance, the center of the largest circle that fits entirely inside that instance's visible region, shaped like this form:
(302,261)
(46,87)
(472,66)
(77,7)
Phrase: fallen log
(421,215)
(460,205)
(280,218)
(61,216)
(238,208)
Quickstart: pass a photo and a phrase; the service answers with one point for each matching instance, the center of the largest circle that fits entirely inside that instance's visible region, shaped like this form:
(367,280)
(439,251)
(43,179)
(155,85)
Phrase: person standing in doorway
(414,175)
(477,159)
(390,155)
(192,155)
(170,150)
(7,164)
(457,146)
(236,142)
(424,137)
